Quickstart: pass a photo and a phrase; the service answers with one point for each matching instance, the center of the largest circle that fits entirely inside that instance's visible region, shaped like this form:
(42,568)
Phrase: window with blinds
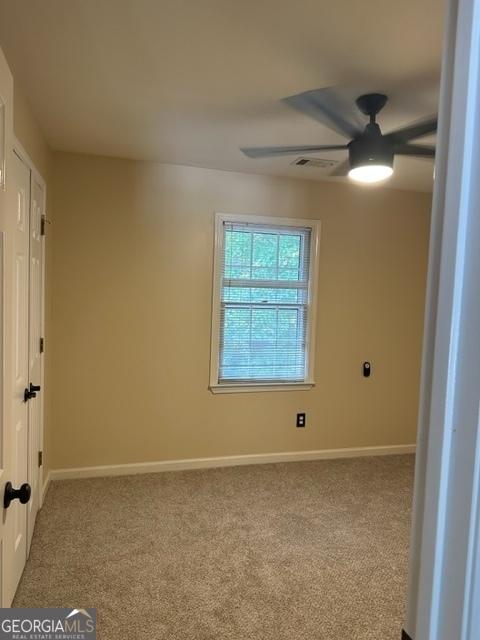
(264,294)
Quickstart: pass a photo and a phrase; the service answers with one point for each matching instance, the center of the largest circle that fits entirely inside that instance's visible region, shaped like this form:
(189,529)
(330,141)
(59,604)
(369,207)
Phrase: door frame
(35,175)
(444,577)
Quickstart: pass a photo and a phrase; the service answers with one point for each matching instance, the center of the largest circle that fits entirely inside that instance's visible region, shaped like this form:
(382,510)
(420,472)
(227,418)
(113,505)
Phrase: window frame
(241,387)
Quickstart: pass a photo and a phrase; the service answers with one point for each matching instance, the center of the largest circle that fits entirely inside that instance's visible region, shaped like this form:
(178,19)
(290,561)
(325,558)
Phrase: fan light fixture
(370,173)
(371,153)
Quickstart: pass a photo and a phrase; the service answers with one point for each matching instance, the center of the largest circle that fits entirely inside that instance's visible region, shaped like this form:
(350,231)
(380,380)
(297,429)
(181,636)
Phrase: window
(263,303)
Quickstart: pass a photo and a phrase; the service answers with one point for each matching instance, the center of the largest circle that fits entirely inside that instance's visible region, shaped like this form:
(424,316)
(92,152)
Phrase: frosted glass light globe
(370,173)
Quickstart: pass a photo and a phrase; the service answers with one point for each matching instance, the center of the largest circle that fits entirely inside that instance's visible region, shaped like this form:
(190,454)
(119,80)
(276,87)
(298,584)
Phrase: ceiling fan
(370,152)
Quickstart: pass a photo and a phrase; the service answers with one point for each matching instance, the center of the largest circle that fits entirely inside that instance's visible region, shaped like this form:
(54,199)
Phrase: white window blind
(265,294)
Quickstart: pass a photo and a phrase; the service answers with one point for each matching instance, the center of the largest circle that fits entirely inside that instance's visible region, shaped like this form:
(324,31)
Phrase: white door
(16,538)
(35,351)
(16,265)
(6,273)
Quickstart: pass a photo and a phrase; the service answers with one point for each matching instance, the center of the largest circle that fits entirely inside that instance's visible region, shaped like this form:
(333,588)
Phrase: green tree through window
(264,303)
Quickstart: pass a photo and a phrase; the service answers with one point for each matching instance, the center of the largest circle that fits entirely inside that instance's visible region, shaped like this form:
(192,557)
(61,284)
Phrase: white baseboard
(226,461)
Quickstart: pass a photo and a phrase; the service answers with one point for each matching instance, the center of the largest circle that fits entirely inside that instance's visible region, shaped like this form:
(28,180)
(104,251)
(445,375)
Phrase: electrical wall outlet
(301,419)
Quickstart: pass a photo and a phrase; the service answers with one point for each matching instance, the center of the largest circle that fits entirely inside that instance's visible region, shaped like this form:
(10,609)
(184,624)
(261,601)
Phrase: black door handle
(28,394)
(23,494)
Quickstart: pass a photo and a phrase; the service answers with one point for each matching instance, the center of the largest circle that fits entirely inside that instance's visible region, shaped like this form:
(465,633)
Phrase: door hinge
(42,345)
(43,222)
(40,458)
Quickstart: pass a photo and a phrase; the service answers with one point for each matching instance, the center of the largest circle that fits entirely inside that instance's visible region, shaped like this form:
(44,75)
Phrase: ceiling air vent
(321,163)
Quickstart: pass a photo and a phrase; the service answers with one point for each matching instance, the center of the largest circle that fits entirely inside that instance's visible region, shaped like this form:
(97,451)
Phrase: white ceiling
(189,81)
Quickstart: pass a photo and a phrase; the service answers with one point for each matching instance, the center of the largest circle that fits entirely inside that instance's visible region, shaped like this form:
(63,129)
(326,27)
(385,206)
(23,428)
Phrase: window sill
(252,388)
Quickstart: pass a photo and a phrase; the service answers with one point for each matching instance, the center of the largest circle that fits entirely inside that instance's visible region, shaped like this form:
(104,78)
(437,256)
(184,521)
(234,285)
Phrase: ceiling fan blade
(265,152)
(331,108)
(415,130)
(341,170)
(414,150)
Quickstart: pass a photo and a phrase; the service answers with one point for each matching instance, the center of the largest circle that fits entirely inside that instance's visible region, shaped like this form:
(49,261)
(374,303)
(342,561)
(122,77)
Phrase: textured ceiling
(190,81)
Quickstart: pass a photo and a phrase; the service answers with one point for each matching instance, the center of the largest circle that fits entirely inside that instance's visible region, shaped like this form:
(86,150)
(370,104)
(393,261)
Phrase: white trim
(315,226)
(444,567)
(257,388)
(227,461)
(43,331)
(23,155)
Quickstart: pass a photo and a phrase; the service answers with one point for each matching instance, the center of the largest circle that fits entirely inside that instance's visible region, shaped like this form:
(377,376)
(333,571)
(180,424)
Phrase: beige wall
(31,138)
(132,283)
(30,135)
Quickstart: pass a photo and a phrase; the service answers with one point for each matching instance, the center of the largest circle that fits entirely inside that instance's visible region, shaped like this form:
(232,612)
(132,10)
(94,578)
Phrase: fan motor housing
(371,148)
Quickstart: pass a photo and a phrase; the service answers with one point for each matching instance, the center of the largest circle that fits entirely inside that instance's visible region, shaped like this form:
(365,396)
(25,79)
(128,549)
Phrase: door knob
(23,494)
(28,394)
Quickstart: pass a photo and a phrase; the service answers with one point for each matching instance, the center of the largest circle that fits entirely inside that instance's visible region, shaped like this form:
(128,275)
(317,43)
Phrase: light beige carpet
(297,551)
